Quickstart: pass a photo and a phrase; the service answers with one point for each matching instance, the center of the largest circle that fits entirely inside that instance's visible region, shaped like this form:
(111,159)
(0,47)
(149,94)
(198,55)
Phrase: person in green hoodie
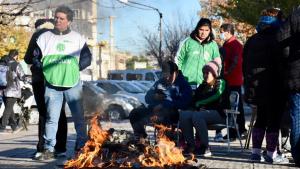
(197,50)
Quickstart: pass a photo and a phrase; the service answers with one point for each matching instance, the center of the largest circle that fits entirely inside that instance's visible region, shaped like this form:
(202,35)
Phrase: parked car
(148,84)
(139,85)
(138,74)
(121,87)
(110,106)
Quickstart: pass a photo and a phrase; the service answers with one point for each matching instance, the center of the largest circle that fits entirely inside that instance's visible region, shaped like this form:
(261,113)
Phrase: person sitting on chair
(210,100)
(170,93)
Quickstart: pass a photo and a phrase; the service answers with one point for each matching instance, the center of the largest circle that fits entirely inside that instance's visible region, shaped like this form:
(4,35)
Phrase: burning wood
(105,150)
(91,148)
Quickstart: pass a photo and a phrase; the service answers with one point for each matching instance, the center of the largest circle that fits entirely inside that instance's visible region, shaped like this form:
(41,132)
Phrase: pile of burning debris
(115,149)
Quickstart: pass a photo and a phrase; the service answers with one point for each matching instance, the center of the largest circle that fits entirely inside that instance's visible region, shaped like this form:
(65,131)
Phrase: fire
(96,154)
(164,153)
(91,148)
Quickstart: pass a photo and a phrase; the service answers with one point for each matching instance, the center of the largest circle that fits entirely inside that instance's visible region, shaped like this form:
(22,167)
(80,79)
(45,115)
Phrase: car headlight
(133,102)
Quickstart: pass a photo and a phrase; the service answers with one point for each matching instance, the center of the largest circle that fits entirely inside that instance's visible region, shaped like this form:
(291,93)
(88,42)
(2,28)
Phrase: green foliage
(249,10)
(130,62)
(13,38)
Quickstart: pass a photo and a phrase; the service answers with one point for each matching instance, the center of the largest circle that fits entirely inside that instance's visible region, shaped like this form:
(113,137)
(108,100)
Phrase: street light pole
(160,22)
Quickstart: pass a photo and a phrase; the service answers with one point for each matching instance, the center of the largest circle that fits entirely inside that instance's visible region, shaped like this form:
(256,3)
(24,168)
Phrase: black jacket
(262,67)
(37,73)
(289,36)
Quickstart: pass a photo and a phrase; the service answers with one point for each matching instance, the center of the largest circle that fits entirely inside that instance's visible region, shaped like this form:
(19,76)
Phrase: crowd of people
(193,90)
(267,68)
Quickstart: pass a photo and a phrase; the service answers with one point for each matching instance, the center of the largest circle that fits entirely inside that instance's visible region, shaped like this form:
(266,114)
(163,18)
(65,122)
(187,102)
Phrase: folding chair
(249,132)
(231,115)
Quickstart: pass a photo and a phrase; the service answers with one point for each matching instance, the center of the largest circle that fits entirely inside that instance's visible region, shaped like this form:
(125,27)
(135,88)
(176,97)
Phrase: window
(134,76)
(150,77)
(109,88)
(76,14)
(116,76)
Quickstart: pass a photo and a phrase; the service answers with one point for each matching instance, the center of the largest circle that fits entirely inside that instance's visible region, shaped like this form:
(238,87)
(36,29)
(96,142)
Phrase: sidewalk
(16,151)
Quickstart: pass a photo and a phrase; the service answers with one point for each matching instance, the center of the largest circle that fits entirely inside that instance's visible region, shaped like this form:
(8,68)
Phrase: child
(209,101)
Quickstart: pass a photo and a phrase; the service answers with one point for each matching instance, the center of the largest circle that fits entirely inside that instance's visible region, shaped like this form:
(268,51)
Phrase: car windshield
(130,88)
(141,86)
(158,74)
(149,85)
(108,87)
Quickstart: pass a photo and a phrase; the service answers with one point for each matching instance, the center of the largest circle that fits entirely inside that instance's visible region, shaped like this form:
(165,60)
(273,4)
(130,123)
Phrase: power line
(146,9)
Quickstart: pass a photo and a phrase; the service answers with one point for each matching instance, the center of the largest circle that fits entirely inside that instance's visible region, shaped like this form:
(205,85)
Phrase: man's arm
(237,54)
(85,57)
(31,47)
(184,100)
(180,56)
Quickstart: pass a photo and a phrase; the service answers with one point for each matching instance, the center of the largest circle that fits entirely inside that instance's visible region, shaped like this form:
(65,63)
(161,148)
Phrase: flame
(164,153)
(91,148)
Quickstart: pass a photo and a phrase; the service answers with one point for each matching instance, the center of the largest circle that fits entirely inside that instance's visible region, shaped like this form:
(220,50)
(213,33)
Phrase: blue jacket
(177,95)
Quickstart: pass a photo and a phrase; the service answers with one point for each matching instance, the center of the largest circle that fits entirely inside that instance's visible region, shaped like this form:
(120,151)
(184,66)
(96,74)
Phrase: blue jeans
(294,100)
(54,99)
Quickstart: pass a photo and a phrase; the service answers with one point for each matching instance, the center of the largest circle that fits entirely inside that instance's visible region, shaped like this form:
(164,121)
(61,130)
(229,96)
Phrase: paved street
(16,151)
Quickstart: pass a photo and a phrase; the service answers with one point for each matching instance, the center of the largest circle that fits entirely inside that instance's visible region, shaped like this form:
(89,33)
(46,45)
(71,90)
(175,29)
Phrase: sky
(129,22)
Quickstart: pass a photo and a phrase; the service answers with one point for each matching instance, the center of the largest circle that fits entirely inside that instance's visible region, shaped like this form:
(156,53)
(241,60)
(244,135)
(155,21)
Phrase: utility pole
(112,64)
(160,22)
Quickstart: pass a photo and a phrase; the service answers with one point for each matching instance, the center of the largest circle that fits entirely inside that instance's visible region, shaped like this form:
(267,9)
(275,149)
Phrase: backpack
(4,73)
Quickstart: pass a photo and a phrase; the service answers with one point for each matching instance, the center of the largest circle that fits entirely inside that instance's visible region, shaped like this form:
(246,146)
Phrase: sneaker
(256,158)
(219,137)
(17,130)
(37,155)
(232,137)
(203,152)
(46,155)
(279,159)
(59,154)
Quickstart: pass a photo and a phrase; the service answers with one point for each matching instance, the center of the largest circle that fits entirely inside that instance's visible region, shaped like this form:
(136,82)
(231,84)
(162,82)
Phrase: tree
(10,10)
(130,62)
(13,38)
(249,11)
(216,11)
(173,34)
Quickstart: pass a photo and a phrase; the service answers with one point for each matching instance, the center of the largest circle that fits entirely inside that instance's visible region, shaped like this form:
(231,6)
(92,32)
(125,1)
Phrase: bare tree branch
(173,34)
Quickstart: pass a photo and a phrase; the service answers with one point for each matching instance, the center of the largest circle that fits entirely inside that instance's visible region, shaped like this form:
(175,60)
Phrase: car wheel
(115,113)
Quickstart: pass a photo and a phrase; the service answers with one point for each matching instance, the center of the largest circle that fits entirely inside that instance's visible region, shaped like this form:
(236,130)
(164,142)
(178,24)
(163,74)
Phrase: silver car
(122,87)
(110,106)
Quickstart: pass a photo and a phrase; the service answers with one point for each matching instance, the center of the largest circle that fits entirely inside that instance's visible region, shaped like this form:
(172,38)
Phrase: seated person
(210,102)
(170,93)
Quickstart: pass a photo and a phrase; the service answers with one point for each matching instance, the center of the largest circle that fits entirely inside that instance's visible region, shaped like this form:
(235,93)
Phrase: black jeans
(8,114)
(62,132)
(139,117)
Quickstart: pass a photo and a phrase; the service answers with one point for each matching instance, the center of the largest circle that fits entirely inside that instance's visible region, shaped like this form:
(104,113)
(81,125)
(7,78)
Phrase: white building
(84,22)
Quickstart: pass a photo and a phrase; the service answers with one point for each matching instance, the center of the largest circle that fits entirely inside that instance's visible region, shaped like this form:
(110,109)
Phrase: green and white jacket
(192,56)
(64,54)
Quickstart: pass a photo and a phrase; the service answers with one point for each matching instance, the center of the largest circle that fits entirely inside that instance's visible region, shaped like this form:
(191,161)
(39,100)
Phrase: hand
(157,109)
(159,96)
(154,119)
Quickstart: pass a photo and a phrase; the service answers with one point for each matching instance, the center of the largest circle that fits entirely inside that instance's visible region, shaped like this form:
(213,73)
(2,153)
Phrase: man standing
(38,86)
(233,72)
(289,36)
(63,53)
